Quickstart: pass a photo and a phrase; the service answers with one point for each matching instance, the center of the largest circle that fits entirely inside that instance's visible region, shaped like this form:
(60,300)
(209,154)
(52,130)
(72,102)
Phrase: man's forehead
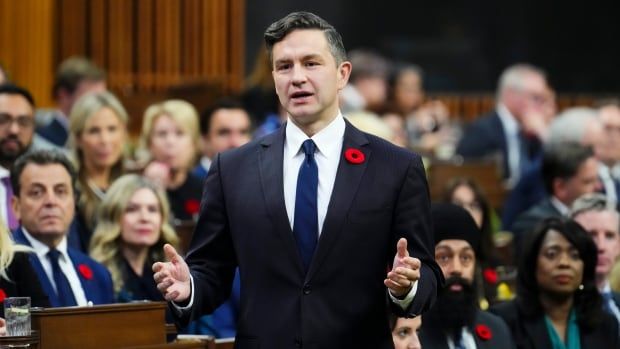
(300,42)
(453,244)
(599,218)
(15,103)
(49,174)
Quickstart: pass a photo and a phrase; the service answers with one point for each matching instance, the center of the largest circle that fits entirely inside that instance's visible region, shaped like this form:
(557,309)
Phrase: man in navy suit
(329,226)
(43,200)
(515,129)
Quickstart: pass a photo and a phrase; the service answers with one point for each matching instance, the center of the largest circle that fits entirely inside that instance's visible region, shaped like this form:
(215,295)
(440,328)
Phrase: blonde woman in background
(169,142)
(17,278)
(132,228)
(98,126)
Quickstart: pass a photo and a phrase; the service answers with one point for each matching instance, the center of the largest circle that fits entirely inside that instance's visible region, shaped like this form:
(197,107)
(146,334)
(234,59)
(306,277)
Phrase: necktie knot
(309,147)
(53,255)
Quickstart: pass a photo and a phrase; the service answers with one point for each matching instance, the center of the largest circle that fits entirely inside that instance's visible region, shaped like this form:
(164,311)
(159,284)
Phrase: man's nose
(299,75)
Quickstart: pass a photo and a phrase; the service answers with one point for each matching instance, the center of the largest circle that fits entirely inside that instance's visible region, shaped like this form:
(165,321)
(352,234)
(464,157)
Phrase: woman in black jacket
(558,304)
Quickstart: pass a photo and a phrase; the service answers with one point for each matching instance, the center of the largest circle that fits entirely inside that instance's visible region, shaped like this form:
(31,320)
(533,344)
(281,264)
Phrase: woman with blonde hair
(98,132)
(169,143)
(17,278)
(132,228)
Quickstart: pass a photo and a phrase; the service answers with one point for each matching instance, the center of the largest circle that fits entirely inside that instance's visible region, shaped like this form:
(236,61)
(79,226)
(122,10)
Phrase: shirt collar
(508,120)
(559,205)
(327,140)
(42,249)
(4,172)
(606,288)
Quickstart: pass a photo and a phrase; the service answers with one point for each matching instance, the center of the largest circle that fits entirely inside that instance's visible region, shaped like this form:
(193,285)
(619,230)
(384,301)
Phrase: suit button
(307,290)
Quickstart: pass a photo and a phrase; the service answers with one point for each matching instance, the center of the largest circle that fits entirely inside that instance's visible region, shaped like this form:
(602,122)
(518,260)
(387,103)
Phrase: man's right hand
(172,277)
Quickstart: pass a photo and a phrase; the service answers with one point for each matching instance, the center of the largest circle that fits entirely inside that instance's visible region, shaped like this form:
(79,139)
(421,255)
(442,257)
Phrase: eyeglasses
(25,122)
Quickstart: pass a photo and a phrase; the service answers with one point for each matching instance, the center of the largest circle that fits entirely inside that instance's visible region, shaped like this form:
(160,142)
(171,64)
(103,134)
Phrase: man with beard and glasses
(16,137)
(455,321)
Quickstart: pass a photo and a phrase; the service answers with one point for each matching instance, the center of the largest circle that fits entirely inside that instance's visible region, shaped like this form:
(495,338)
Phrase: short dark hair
(11,89)
(40,157)
(279,29)
(74,70)
(587,299)
(563,160)
(223,103)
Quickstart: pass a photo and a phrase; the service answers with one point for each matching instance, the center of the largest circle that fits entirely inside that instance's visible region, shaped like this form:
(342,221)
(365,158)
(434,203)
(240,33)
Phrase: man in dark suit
(600,218)
(44,203)
(455,321)
(225,125)
(311,216)
(515,129)
(569,170)
(76,76)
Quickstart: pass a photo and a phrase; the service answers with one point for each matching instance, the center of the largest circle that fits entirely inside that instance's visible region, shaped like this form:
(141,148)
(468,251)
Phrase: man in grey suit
(324,237)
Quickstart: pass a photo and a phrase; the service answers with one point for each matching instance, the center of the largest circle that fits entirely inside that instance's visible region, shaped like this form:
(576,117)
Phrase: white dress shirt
(4,205)
(559,205)
(329,146)
(511,130)
(467,339)
(66,265)
(604,173)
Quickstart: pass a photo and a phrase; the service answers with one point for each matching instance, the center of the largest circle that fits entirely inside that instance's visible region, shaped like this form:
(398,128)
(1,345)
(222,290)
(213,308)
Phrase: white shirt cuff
(405,302)
(179,309)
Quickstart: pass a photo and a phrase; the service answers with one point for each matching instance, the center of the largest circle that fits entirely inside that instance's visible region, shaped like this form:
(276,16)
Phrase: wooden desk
(102,326)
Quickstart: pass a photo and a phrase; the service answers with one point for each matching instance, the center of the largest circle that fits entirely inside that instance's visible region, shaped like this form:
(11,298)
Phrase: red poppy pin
(2,295)
(490,275)
(354,156)
(86,272)
(484,332)
(192,206)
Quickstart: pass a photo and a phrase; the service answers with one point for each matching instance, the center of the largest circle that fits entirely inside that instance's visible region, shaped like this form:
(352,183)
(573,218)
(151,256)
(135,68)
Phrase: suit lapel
(271,176)
(537,333)
(90,289)
(20,238)
(347,181)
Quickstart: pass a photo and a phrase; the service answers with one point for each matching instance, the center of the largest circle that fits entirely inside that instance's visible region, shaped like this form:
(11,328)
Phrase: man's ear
(15,206)
(559,188)
(344,71)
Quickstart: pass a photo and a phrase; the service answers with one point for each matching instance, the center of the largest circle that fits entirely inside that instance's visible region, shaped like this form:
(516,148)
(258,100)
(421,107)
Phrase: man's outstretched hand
(405,271)
(172,277)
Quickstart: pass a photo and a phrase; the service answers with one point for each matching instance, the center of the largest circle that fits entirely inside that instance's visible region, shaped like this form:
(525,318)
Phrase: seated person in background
(405,332)
(225,125)
(575,125)
(569,170)
(466,193)
(76,76)
(599,217)
(455,321)
(44,187)
(517,126)
(132,228)
(367,87)
(16,138)
(98,136)
(557,304)
(17,278)
(169,140)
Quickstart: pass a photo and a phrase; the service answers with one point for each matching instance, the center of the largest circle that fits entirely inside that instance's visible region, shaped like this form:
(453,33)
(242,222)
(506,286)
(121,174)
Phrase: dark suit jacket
(528,220)
(435,338)
(531,333)
(23,283)
(55,132)
(98,289)
(530,189)
(341,301)
(486,137)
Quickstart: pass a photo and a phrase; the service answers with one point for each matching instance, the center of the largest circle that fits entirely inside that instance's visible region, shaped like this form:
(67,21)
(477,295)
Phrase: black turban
(454,222)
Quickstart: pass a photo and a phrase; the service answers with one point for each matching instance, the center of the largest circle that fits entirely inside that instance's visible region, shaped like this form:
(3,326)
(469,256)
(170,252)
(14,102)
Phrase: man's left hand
(405,271)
